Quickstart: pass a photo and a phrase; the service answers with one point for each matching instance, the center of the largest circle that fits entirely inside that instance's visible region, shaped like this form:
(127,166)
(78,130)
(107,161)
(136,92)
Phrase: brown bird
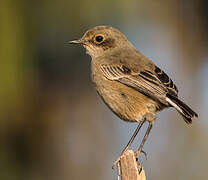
(129,83)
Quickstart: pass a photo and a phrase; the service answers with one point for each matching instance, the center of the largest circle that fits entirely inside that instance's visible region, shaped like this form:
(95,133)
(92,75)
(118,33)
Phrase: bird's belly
(127,103)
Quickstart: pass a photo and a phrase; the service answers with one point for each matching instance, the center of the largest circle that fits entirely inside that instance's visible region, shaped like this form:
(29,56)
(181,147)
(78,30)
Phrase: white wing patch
(174,105)
(113,72)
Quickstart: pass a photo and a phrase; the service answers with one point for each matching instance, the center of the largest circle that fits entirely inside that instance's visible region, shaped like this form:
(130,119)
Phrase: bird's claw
(116,162)
(137,154)
(145,154)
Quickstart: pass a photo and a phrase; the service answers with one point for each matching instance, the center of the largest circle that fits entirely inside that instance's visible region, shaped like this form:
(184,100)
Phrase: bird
(129,83)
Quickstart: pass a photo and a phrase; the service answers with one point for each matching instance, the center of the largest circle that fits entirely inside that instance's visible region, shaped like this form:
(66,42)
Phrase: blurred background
(53,125)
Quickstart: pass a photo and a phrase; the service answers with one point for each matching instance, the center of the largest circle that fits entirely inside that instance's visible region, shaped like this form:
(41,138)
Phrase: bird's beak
(79,41)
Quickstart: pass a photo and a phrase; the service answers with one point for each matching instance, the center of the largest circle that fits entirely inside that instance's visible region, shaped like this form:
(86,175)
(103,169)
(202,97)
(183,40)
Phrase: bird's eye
(99,38)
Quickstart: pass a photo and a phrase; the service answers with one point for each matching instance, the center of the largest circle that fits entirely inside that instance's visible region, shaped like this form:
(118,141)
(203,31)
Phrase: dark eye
(99,38)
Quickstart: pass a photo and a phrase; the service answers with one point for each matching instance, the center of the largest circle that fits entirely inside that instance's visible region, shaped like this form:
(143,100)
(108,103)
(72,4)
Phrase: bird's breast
(125,102)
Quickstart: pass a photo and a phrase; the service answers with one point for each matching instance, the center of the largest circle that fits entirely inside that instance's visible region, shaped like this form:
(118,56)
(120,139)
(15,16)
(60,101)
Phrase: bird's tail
(182,108)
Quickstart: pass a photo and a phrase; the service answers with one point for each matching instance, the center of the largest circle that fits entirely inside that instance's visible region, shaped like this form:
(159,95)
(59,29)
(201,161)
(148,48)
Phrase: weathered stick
(129,168)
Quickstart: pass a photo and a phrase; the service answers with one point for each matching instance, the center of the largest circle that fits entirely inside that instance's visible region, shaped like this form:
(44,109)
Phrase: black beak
(79,41)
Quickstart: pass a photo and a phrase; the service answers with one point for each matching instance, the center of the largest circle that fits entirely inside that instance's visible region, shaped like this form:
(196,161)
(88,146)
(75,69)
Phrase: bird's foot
(117,161)
(138,153)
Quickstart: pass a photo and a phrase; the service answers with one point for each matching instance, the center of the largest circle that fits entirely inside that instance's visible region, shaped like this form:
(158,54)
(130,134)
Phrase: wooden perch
(129,168)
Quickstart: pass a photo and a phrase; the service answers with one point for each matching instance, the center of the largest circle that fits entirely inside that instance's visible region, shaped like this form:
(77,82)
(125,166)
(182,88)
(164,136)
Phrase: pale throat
(94,51)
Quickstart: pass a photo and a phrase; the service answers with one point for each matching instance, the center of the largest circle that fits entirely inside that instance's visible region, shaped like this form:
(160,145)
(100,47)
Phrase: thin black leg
(144,139)
(130,141)
(134,135)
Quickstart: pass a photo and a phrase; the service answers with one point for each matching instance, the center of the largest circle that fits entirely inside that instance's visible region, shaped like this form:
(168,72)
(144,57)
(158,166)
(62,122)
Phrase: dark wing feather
(157,86)
(163,77)
(143,82)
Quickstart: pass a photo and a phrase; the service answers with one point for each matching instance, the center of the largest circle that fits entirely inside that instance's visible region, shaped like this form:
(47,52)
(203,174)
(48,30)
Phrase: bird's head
(101,39)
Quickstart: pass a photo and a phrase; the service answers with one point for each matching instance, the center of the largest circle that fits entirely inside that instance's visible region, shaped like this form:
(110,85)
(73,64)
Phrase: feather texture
(157,86)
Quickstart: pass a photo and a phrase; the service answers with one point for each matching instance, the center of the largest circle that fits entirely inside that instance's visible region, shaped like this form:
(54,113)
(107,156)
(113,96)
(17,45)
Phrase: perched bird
(129,83)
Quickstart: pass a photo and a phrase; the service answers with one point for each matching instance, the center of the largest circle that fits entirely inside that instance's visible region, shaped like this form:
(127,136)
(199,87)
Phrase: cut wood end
(130,168)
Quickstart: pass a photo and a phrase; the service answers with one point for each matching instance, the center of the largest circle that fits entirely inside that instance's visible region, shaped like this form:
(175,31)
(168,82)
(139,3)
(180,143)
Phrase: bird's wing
(155,85)
(164,78)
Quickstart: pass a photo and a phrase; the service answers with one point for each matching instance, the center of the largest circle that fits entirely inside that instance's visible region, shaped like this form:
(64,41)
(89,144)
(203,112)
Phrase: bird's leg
(138,152)
(133,136)
(130,141)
